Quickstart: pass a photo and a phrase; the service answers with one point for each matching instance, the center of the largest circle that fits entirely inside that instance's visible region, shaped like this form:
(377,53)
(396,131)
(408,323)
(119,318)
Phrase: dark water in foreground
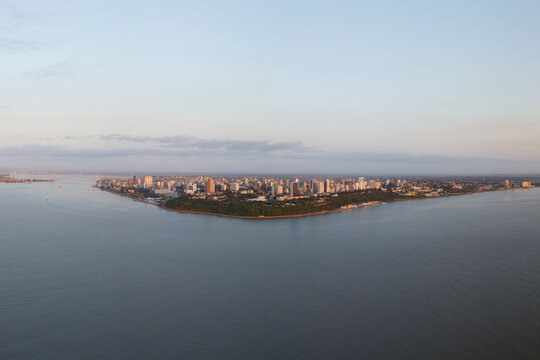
(87,274)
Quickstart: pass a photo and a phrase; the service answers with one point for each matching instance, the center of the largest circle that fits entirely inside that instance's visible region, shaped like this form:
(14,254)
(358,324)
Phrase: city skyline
(256,197)
(346,87)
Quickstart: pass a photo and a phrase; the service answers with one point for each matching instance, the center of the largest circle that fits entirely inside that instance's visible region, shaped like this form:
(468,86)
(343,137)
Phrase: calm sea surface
(86,274)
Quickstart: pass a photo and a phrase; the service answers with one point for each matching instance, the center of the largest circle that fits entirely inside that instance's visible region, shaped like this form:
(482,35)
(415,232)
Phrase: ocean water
(86,274)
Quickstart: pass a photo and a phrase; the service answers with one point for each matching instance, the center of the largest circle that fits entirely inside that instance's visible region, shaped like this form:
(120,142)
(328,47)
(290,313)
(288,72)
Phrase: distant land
(9,179)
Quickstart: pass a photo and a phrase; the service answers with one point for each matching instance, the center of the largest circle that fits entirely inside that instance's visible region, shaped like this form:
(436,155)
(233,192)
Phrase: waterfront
(88,274)
(263,197)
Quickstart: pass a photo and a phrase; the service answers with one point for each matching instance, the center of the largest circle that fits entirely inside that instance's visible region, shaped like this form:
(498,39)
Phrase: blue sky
(280,86)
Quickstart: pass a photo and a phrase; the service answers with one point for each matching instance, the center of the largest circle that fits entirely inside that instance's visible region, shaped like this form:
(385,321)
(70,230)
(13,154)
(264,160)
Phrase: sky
(359,87)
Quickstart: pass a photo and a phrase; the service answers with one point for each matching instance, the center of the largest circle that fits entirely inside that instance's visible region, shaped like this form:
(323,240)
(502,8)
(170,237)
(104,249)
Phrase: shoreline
(277,217)
(325,212)
(4,180)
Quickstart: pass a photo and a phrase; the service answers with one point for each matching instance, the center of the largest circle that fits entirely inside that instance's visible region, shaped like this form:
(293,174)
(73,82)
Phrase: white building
(190,188)
(148,181)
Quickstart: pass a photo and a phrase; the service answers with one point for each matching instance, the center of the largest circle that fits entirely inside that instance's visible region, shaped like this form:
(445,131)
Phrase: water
(86,274)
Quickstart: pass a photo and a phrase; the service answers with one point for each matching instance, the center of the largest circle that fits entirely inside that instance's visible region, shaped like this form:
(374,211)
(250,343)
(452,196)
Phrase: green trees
(241,207)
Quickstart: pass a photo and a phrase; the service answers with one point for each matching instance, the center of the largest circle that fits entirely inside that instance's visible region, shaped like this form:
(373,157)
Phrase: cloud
(59,70)
(44,151)
(17,45)
(190,152)
(229,145)
(69,137)
(63,69)
(411,158)
(10,16)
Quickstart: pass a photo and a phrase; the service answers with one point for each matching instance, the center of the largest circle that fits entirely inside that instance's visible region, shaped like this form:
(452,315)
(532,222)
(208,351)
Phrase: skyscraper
(148,181)
(293,189)
(210,186)
(318,187)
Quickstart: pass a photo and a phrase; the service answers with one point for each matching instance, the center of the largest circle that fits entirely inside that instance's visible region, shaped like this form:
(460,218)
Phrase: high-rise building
(148,181)
(294,189)
(361,184)
(318,187)
(507,184)
(526,184)
(302,187)
(210,186)
(235,186)
(277,189)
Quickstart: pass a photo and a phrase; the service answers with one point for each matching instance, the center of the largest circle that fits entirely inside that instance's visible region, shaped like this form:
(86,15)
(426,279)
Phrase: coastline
(164,207)
(325,212)
(5,180)
(253,217)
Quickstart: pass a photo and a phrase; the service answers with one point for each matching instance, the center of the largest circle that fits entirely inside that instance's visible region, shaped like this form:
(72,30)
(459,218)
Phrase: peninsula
(278,197)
